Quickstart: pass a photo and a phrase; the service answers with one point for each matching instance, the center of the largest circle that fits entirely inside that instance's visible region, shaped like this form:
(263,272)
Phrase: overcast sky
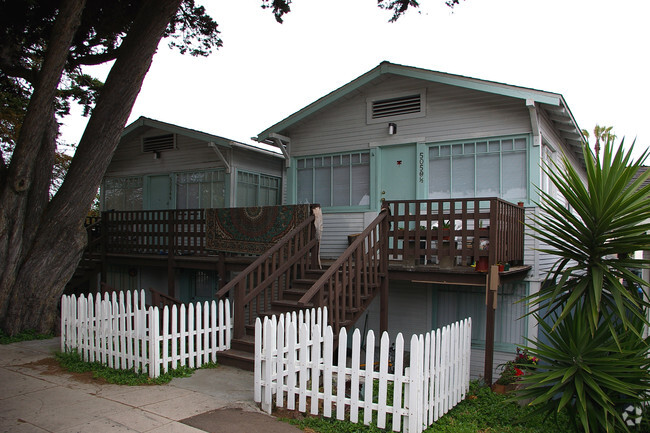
(594,52)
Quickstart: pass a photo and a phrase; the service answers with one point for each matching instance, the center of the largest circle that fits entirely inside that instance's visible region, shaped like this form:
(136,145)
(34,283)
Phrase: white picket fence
(121,332)
(295,364)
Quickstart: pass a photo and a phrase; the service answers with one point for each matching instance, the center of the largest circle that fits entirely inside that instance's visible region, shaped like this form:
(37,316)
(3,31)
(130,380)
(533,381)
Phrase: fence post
(154,349)
(257,371)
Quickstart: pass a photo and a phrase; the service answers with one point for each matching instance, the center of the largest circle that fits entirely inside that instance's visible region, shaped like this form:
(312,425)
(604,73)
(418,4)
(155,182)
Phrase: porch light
(392,128)
(156,155)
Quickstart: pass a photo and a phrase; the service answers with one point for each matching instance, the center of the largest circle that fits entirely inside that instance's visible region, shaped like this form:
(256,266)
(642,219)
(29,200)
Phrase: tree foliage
(44,47)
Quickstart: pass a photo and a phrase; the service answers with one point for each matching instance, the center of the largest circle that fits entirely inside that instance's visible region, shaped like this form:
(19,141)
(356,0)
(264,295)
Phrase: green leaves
(591,308)
(593,229)
(591,376)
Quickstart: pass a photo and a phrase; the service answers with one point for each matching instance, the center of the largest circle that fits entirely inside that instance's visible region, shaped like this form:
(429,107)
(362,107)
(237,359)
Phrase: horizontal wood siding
(190,154)
(477,360)
(257,162)
(336,228)
(451,113)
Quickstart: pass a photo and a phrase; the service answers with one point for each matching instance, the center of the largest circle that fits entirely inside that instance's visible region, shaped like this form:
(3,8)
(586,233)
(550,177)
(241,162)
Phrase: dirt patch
(230,420)
(51,367)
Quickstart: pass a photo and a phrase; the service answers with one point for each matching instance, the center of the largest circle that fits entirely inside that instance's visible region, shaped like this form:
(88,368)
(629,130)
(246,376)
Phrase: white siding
(451,113)
(336,228)
(190,154)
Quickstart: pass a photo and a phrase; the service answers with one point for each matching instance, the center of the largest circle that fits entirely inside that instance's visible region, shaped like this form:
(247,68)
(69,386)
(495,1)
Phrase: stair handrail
(263,258)
(270,268)
(338,266)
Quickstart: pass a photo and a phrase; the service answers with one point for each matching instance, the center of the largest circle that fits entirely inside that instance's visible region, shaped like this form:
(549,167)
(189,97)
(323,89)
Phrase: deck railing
(271,274)
(455,232)
(153,231)
(349,284)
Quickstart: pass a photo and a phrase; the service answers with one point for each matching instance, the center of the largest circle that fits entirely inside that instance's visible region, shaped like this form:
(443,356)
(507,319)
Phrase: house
(424,180)
(158,166)
(405,133)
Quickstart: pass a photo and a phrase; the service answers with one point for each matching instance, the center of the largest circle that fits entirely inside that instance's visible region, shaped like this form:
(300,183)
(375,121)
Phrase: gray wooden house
(415,138)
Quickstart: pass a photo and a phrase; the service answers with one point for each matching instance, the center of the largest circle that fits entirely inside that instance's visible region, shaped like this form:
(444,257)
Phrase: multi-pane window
(206,189)
(482,168)
(122,193)
(257,189)
(334,180)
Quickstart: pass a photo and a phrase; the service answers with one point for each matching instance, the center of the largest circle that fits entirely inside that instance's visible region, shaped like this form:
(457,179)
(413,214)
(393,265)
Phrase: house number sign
(421,167)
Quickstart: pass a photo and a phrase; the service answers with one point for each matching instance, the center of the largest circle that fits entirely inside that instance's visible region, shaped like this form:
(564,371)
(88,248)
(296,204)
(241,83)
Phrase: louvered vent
(158,142)
(396,106)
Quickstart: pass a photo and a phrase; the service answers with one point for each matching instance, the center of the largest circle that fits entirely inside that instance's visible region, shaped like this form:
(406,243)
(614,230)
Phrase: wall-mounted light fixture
(156,155)
(392,128)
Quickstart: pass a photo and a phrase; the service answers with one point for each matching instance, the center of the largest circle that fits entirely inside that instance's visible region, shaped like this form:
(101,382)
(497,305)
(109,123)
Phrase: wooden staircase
(242,349)
(286,278)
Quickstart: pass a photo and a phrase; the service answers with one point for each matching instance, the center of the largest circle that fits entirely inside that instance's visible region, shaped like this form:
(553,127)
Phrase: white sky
(594,52)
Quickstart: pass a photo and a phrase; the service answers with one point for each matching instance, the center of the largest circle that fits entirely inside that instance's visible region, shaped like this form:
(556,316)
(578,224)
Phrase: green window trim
(200,189)
(339,182)
(122,193)
(257,189)
(469,165)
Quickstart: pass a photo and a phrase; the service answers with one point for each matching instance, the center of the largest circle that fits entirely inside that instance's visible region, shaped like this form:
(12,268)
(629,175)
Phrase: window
(334,180)
(485,168)
(122,193)
(257,189)
(396,106)
(201,190)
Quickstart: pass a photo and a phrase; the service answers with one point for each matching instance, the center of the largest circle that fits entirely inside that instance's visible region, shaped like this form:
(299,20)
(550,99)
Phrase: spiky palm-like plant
(590,308)
(594,232)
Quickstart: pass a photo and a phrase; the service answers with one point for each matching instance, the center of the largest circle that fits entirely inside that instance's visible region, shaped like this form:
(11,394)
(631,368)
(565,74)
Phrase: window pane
(341,185)
(514,176)
(487,172)
(123,193)
(305,193)
(463,177)
(439,178)
(360,185)
(193,196)
(323,186)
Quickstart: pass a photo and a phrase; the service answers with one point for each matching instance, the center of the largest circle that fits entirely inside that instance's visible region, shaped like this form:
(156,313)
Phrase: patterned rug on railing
(251,229)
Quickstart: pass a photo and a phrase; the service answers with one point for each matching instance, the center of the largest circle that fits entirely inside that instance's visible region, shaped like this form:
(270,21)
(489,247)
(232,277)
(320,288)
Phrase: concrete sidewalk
(37,396)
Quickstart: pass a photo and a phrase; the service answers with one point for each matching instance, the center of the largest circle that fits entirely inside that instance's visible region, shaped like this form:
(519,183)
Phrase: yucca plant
(591,376)
(591,308)
(594,231)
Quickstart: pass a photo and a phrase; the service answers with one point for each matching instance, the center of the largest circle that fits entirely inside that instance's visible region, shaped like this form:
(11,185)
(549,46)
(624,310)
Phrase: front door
(399,172)
(159,192)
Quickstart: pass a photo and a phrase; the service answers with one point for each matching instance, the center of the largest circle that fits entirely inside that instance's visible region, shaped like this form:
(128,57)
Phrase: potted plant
(514,370)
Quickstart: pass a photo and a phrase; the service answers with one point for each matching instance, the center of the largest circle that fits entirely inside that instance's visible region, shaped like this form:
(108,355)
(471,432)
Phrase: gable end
(157,143)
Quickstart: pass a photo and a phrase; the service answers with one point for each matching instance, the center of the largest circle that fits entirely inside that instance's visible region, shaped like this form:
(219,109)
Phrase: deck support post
(171,275)
(491,288)
(384,229)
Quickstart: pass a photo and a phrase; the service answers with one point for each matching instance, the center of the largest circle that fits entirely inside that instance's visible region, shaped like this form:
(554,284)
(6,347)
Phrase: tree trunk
(31,285)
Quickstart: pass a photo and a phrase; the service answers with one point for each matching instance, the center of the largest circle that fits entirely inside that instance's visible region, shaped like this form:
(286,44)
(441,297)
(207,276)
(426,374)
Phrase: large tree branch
(40,105)
(14,193)
(109,116)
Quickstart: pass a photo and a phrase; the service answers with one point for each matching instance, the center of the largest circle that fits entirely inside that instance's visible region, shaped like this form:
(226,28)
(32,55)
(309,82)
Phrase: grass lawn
(481,412)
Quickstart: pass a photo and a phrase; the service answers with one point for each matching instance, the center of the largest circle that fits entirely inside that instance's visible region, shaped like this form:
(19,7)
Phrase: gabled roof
(193,133)
(553,103)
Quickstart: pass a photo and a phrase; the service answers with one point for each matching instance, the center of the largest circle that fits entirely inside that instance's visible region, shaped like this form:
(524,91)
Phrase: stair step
(287,305)
(237,358)
(245,343)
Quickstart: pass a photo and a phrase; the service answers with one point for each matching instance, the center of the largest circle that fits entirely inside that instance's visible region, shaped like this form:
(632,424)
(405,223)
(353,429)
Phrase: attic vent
(158,142)
(396,106)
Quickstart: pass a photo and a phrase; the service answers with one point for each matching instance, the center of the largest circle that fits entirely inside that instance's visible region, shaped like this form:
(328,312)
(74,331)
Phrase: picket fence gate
(121,332)
(295,365)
